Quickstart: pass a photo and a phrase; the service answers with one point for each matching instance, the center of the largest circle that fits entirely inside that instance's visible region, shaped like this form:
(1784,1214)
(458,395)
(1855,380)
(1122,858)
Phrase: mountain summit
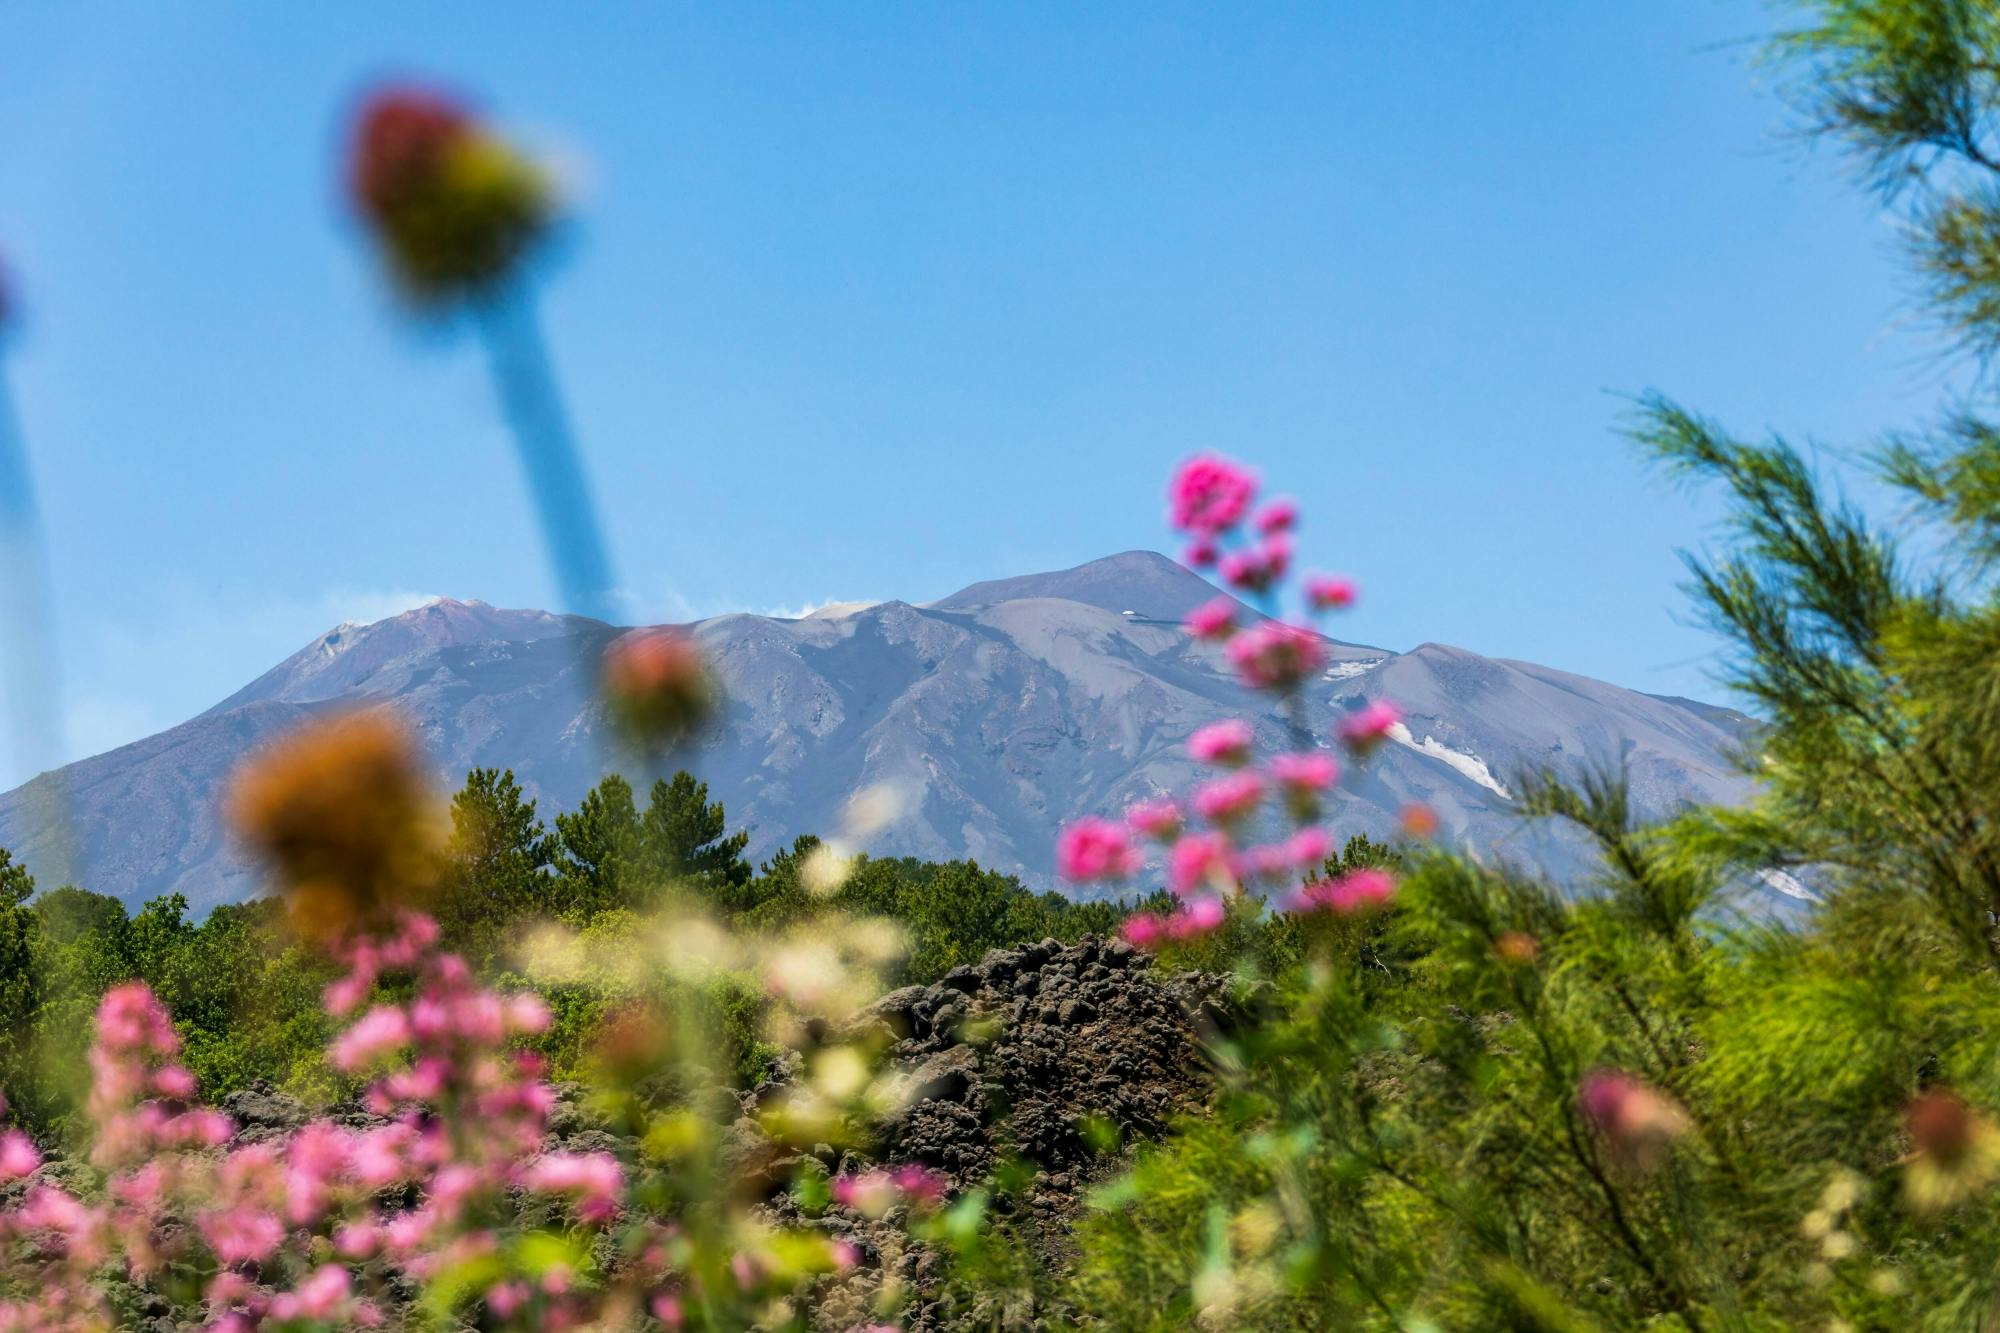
(995,714)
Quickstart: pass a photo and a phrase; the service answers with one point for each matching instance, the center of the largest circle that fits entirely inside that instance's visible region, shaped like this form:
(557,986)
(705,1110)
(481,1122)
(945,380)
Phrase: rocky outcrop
(1055,1056)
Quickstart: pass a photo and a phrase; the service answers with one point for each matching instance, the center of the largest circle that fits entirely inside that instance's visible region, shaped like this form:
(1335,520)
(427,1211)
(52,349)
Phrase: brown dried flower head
(344,813)
(1955,1151)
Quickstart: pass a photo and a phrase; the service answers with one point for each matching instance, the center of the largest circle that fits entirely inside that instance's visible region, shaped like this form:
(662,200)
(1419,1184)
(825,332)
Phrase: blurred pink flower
(1329,592)
(1154,819)
(1096,849)
(1209,494)
(1225,742)
(1258,569)
(1201,553)
(1213,620)
(1357,891)
(1194,860)
(1635,1120)
(1280,515)
(1308,848)
(1273,655)
(1197,918)
(321,1297)
(1368,726)
(377,1033)
(594,1179)
(1143,930)
(17,1156)
(1230,798)
(1304,772)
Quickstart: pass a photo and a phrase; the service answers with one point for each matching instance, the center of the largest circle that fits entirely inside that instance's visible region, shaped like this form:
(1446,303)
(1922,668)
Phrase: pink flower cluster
(287,1225)
(1272,655)
(1355,892)
(1213,501)
(1369,725)
(874,1192)
(1148,930)
(1209,495)
(1096,849)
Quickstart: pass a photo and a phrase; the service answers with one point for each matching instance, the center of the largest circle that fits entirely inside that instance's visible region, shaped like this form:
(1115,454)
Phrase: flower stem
(534,409)
(28,657)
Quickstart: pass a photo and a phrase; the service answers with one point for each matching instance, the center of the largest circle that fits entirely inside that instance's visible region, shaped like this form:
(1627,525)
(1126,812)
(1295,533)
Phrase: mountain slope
(996,714)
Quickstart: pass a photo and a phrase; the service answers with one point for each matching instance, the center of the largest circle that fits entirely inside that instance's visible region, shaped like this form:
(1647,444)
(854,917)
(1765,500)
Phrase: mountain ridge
(998,712)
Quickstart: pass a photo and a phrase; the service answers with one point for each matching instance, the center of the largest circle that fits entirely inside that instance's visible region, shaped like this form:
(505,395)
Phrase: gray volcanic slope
(996,714)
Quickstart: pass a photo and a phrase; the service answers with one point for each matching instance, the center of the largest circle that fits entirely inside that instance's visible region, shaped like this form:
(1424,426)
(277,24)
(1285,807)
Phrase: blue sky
(868,301)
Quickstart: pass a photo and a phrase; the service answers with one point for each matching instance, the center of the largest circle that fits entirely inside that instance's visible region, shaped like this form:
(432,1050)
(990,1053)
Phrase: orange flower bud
(657,686)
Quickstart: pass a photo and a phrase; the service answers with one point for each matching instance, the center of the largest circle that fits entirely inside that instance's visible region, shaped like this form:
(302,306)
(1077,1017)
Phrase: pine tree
(685,837)
(596,849)
(498,865)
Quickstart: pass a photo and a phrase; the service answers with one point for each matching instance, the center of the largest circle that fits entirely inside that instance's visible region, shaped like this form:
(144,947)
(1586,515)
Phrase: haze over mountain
(994,715)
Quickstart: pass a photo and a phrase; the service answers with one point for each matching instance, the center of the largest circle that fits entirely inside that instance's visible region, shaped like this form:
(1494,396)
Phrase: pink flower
(1281,515)
(173,1081)
(129,1018)
(1329,592)
(343,996)
(322,1296)
(379,1032)
(1096,849)
(1357,891)
(1274,655)
(1361,890)
(1222,743)
(1304,772)
(1263,863)
(919,1183)
(1228,799)
(1154,819)
(1308,848)
(17,1156)
(870,1193)
(1197,918)
(1637,1121)
(242,1233)
(1143,930)
(1368,726)
(504,1298)
(528,1014)
(1212,621)
(357,1240)
(1195,860)
(1260,568)
(1209,494)
(595,1179)
(1201,553)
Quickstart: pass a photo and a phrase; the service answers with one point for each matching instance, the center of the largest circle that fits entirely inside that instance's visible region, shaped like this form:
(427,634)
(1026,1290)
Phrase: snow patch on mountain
(1469,764)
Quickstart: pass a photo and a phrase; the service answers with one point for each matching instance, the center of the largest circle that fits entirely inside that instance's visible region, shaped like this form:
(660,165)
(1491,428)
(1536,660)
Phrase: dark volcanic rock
(1012,1058)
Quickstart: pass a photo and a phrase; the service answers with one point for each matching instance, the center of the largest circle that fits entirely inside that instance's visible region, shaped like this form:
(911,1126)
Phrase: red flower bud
(453,208)
(657,685)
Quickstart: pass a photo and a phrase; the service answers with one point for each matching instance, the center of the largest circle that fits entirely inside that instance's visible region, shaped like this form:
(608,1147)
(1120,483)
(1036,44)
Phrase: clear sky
(876,300)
